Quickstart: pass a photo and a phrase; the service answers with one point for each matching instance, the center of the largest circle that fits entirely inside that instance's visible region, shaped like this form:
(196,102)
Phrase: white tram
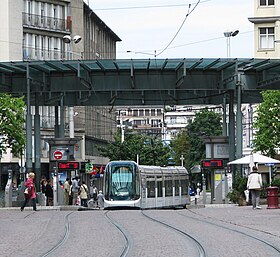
(127,184)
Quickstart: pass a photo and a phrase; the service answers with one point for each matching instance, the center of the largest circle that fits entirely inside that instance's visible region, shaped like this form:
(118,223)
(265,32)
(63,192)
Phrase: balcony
(46,22)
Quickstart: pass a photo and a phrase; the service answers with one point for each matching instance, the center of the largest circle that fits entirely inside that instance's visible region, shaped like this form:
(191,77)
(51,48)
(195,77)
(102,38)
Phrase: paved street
(222,230)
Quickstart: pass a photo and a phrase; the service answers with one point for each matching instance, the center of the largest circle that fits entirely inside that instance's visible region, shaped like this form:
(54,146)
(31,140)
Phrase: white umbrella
(257,158)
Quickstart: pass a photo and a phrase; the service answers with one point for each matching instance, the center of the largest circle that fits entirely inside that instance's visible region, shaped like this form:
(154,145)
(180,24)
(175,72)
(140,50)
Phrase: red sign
(212,163)
(68,165)
(58,155)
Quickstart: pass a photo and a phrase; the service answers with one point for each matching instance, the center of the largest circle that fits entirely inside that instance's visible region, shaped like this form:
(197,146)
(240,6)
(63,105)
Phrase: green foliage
(190,142)
(275,182)
(239,186)
(11,124)
(150,150)
(267,123)
(181,146)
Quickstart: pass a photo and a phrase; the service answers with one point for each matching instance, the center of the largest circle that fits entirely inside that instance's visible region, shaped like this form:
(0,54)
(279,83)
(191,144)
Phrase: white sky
(150,30)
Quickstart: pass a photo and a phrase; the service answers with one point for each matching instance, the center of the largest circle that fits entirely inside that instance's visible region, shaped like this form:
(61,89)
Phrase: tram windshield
(123,182)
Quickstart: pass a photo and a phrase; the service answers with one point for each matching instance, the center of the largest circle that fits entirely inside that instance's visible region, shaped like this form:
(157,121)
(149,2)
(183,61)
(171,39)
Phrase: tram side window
(151,183)
(168,186)
(159,187)
(184,186)
(177,184)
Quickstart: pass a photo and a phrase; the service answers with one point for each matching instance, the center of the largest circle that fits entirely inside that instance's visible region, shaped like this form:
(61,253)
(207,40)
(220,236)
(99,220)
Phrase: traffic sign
(58,155)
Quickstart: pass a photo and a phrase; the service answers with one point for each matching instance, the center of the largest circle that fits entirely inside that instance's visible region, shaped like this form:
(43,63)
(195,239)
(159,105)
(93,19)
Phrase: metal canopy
(139,81)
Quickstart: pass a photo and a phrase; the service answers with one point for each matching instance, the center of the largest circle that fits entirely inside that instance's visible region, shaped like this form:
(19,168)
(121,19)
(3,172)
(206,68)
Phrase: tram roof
(168,170)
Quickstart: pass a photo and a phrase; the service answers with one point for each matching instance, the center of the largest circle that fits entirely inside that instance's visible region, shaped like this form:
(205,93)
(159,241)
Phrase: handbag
(27,192)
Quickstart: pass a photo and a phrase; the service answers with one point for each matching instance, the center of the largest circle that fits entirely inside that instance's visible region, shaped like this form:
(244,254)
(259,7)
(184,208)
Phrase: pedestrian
(94,192)
(29,184)
(43,184)
(75,189)
(66,191)
(254,184)
(100,200)
(70,193)
(84,194)
(49,193)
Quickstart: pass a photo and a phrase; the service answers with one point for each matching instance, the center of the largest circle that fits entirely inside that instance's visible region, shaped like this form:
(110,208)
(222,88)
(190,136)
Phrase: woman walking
(254,184)
(31,192)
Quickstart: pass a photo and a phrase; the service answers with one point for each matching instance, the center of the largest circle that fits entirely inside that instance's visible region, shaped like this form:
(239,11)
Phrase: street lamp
(68,40)
(228,35)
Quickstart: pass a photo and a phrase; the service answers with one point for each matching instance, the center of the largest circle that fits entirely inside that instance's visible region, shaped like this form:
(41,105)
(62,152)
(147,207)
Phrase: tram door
(143,192)
(151,192)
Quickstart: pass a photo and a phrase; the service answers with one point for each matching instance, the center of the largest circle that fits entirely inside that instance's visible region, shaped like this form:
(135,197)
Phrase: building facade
(266,22)
(36,30)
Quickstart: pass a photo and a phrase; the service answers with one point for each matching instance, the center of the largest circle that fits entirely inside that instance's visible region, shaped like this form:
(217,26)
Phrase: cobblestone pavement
(221,229)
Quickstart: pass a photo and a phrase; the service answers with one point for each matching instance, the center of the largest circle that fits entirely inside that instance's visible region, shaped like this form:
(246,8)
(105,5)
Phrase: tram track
(200,249)
(128,241)
(60,243)
(233,230)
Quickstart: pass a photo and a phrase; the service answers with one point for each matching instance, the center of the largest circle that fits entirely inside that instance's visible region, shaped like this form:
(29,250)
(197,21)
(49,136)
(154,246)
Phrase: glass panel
(184,187)
(159,187)
(176,182)
(151,187)
(168,186)
(122,182)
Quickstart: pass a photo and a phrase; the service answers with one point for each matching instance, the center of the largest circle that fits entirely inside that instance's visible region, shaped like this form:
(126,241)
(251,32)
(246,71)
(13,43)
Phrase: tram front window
(122,186)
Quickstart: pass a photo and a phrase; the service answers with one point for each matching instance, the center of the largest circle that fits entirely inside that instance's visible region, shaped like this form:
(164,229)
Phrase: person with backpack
(84,194)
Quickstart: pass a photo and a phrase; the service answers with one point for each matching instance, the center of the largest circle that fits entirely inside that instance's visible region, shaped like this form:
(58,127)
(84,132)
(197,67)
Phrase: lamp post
(228,35)
(68,40)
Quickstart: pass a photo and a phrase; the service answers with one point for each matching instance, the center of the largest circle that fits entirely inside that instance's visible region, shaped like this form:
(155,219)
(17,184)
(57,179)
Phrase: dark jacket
(49,191)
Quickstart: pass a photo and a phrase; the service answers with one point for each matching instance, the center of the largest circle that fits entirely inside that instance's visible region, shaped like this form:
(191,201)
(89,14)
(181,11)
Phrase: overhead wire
(176,34)
(144,6)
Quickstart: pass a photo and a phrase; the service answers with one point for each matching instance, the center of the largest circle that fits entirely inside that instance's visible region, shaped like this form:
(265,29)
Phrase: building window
(266,38)
(173,120)
(266,2)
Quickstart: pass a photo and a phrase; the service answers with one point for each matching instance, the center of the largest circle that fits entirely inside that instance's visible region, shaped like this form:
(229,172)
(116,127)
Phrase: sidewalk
(197,202)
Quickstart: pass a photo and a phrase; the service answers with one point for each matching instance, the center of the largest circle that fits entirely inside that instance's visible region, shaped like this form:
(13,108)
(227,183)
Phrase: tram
(127,184)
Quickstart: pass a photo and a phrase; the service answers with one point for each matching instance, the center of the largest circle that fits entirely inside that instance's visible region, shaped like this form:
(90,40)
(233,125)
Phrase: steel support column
(225,130)
(61,125)
(56,125)
(37,140)
(239,138)
(28,125)
(231,126)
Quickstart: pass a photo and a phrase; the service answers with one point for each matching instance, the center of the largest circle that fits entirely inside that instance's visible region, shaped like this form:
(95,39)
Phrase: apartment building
(37,30)
(266,22)
(164,122)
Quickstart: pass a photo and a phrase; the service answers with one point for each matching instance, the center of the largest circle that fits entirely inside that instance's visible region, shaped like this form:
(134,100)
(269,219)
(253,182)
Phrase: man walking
(75,189)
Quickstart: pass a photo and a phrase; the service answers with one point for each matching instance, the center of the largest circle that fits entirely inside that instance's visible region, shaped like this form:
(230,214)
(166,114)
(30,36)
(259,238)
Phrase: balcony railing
(31,53)
(46,22)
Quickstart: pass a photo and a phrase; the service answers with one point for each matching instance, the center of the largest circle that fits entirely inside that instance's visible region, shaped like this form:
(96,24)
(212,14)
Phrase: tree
(190,142)
(12,120)
(267,123)
(150,150)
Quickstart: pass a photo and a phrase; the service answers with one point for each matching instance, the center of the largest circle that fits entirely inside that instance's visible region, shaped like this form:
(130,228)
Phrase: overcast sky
(150,30)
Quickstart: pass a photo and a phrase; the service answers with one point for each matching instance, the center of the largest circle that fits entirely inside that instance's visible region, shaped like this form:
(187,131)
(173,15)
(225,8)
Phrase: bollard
(272,197)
